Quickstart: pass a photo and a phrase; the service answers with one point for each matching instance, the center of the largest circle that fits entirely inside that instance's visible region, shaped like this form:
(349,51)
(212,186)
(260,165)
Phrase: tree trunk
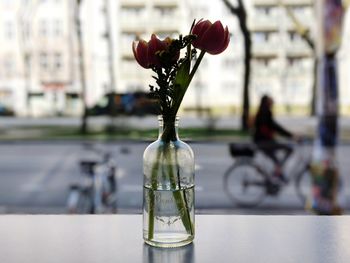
(314,89)
(247,66)
(112,82)
(241,13)
(325,170)
(81,58)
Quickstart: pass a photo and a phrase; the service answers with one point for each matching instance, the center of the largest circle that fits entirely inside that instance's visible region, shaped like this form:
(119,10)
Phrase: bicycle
(98,192)
(248,181)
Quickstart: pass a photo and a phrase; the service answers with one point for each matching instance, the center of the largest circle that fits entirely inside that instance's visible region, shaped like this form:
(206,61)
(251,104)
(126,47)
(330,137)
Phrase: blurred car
(136,103)
(6,111)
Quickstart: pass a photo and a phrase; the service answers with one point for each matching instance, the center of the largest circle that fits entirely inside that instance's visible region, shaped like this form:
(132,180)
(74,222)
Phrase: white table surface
(219,238)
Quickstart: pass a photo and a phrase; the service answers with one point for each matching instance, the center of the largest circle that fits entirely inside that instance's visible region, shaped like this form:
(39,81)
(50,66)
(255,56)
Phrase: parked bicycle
(249,180)
(98,193)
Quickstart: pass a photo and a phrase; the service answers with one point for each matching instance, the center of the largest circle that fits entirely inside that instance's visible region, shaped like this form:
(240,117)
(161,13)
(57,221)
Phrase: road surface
(35,178)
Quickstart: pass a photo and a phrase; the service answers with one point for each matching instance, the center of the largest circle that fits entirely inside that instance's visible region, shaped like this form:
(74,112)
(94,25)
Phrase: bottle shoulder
(159,146)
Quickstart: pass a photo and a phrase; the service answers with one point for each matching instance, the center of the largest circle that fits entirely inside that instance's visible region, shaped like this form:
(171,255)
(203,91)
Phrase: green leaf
(181,83)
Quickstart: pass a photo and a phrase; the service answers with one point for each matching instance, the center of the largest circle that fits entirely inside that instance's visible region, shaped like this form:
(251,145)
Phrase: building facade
(283,63)
(39,62)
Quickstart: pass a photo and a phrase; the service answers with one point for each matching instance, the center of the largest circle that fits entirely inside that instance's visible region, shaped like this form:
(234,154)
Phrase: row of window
(47,61)
(137,11)
(50,61)
(266,36)
(129,37)
(49,1)
(54,61)
(50,28)
(46,28)
(297,10)
(230,63)
(26,2)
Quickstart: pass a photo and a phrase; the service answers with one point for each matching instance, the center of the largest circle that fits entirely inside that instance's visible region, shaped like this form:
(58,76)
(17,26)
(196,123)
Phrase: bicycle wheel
(245,184)
(79,201)
(303,185)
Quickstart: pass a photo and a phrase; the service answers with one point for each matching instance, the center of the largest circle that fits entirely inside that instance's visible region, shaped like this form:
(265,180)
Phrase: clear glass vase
(168,193)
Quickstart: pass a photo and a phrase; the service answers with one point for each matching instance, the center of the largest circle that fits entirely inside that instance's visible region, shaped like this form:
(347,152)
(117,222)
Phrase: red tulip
(147,53)
(212,38)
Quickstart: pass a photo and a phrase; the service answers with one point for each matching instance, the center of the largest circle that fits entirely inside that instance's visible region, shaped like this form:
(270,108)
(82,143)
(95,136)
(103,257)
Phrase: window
(261,37)
(299,9)
(26,29)
(127,38)
(57,27)
(229,86)
(128,64)
(292,36)
(47,1)
(43,60)
(291,61)
(299,63)
(165,11)
(263,10)
(36,94)
(263,62)
(164,34)
(9,30)
(134,11)
(9,66)
(230,63)
(58,61)
(43,28)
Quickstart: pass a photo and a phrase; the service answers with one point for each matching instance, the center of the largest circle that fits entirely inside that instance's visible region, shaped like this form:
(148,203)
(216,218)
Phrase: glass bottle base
(169,243)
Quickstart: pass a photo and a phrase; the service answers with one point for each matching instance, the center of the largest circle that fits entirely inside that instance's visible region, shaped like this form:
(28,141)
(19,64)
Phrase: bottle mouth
(161,120)
(160,117)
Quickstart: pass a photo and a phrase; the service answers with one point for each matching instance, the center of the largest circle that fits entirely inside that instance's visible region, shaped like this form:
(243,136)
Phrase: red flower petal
(227,39)
(221,47)
(213,39)
(199,30)
(155,45)
(140,52)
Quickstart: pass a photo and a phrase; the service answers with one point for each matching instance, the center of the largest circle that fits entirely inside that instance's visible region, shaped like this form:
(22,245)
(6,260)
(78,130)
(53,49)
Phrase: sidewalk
(36,129)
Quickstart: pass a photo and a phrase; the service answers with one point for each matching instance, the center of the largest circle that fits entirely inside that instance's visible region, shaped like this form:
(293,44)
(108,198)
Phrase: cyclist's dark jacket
(265,128)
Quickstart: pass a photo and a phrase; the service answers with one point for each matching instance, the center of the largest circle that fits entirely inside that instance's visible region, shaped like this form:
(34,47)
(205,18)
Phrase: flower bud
(212,38)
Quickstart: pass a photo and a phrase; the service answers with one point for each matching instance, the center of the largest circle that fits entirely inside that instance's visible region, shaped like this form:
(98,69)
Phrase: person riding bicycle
(265,128)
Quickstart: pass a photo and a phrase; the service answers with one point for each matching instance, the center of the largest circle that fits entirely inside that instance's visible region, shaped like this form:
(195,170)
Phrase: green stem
(177,103)
(166,137)
(151,197)
(195,67)
(180,201)
(185,197)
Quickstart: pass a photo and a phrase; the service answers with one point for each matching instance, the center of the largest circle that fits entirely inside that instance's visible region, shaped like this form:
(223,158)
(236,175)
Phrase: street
(35,178)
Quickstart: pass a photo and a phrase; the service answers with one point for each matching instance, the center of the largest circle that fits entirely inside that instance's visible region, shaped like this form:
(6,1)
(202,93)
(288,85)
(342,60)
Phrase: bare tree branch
(303,31)
(233,10)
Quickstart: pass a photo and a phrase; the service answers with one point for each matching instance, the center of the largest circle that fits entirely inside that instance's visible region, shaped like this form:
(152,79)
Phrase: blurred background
(70,90)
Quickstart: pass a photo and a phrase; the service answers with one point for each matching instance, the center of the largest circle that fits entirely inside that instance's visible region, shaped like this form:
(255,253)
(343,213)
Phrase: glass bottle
(168,192)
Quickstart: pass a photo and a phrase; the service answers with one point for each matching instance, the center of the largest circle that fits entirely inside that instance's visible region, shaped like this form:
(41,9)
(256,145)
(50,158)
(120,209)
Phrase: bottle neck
(168,130)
